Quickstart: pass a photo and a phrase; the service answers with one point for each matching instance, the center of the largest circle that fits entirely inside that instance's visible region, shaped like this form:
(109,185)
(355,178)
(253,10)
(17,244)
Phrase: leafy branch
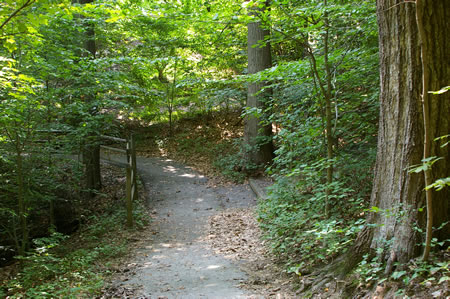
(25,5)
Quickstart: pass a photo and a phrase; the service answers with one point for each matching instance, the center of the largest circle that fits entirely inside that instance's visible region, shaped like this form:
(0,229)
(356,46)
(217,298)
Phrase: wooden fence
(131,168)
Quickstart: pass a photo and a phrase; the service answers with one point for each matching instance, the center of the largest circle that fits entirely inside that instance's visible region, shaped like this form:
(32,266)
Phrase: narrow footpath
(175,262)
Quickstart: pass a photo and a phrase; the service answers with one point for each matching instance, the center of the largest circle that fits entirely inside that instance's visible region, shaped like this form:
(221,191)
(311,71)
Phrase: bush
(71,267)
(293,218)
(233,163)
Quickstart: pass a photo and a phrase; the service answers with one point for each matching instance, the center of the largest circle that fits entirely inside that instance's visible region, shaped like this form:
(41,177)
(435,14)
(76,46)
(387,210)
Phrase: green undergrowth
(233,163)
(74,266)
(294,222)
(304,239)
(422,279)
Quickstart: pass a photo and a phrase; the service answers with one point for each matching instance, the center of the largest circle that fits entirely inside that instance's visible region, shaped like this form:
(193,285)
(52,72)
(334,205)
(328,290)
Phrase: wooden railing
(131,168)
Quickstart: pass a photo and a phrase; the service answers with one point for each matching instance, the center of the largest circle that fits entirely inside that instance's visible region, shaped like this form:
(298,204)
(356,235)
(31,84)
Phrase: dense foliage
(295,214)
(158,61)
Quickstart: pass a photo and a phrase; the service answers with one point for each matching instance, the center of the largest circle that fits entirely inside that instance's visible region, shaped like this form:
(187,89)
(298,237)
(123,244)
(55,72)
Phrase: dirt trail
(175,262)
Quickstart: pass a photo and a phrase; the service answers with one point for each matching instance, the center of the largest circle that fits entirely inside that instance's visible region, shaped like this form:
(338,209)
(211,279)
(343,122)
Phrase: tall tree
(258,136)
(435,73)
(91,152)
(401,128)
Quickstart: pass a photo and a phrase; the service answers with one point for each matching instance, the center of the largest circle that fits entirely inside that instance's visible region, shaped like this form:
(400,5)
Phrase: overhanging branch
(25,5)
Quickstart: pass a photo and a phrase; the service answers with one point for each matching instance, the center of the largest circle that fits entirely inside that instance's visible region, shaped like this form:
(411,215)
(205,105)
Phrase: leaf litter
(235,234)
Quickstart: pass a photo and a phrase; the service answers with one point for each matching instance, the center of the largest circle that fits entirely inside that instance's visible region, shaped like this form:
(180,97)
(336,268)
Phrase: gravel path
(175,262)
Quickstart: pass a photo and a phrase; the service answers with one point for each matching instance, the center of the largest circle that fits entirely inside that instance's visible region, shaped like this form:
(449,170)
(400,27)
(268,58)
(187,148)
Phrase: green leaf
(441,91)
(10,44)
(444,278)
(374,209)
(439,184)
(398,274)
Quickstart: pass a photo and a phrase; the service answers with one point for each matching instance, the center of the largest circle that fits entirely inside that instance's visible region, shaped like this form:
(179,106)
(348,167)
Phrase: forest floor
(203,242)
(197,237)
(206,242)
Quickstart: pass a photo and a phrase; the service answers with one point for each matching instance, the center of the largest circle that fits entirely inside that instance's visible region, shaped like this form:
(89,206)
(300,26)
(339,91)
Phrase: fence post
(131,177)
(131,169)
(134,189)
(129,199)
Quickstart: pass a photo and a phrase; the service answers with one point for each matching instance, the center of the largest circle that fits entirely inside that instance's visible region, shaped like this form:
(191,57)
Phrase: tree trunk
(327,97)
(91,161)
(258,137)
(91,152)
(171,98)
(434,17)
(21,198)
(398,193)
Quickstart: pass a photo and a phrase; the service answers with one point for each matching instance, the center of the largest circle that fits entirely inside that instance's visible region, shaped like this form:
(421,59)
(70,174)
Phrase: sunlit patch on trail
(159,257)
(170,169)
(188,175)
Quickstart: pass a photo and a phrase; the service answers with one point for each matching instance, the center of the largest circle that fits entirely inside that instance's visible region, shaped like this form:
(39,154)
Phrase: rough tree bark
(401,133)
(259,58)
(400,136)
(432,18)
(398,193)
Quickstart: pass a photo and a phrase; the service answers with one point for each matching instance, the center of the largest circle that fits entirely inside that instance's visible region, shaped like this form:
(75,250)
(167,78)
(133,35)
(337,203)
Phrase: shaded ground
(76,266)
(235,234)
(231,230)
(188,253)
(196,141)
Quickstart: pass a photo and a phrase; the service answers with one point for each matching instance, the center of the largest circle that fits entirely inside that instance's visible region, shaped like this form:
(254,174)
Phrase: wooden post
(129,199)
(133,168)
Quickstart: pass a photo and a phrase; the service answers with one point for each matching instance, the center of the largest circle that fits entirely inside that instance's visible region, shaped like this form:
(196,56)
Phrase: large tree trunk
(257,136)
(398,193)
(435,44)
(91,151)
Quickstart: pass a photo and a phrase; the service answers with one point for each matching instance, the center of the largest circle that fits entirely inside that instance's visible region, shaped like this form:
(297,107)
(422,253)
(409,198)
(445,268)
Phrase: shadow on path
(176,263)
